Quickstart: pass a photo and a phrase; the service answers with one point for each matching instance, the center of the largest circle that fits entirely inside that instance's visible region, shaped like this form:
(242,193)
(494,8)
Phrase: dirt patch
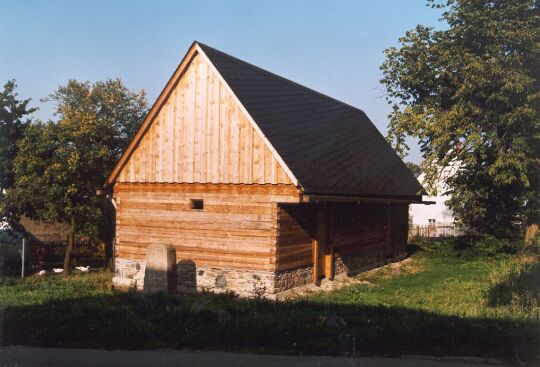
(367,278)
(406,266)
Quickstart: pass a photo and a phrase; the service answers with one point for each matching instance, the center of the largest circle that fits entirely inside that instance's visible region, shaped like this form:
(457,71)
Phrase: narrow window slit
(197,204)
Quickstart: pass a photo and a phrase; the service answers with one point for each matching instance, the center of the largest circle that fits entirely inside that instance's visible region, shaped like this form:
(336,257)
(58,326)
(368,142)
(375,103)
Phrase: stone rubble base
(249,283)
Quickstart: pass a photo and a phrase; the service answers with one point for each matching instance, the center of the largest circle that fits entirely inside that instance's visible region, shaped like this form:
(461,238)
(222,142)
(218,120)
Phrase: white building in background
(437,214)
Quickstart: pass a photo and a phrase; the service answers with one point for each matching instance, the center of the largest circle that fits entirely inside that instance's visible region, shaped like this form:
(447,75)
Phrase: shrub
(485,245)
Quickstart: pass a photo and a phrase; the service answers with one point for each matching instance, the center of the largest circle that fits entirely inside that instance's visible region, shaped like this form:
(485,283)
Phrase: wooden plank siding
(236,228)
(201,135)
(358,226)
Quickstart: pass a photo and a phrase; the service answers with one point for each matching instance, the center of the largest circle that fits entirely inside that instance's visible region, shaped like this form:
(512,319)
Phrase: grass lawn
(437,302)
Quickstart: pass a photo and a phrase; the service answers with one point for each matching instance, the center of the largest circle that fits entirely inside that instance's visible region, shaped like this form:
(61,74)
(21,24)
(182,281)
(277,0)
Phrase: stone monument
(160,272)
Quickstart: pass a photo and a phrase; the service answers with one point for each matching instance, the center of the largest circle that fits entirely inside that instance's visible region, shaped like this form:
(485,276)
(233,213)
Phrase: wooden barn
(259,183)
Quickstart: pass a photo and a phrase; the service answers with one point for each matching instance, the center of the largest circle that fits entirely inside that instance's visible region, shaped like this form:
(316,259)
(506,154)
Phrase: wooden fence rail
(436,230)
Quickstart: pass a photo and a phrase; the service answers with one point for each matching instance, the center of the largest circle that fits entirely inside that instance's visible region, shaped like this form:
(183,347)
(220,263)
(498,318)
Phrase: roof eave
(382,199)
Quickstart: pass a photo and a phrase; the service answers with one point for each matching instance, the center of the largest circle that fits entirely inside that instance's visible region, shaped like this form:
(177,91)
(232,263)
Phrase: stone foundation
(246,283)
(243,282)
(370,258)
(190,278)
(129,273)
(353,264)
(289,279)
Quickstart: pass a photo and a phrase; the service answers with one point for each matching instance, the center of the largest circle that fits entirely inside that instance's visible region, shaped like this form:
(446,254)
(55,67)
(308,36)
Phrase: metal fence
(47,255)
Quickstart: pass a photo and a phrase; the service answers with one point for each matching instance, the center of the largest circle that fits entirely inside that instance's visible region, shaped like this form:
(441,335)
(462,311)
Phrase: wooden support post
(315,252)
(23,256)
(318,243)
(329,244)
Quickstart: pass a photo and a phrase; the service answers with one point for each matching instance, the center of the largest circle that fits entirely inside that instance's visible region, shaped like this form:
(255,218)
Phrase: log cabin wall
(296,226)
(199,142)
(368,235)
(235,229)
(294,258)
(400,229)
(359,236)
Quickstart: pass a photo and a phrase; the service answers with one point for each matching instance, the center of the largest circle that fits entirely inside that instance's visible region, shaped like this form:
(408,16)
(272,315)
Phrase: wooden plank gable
(200,134)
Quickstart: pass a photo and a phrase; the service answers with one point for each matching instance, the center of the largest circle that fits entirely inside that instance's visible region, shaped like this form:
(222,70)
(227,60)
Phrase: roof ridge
(274,75)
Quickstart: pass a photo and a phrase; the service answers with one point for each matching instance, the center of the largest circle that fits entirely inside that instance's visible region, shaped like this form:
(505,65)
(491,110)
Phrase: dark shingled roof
(330,147)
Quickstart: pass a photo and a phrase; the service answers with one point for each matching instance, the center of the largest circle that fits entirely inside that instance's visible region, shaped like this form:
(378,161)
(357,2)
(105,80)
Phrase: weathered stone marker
(160,272)
(187,276)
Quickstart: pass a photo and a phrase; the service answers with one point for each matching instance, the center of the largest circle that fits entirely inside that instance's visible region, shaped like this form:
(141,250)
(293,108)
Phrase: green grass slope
(436,302)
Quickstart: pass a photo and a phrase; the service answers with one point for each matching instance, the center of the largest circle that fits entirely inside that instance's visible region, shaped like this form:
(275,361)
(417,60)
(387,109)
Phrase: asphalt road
(20,356)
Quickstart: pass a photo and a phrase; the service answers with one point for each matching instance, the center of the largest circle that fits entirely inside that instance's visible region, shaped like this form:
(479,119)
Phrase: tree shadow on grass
(521,287)
(132,320)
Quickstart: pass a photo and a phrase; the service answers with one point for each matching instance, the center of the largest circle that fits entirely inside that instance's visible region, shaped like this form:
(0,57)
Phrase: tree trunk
(69,249)
(109,248)
(531,228)
(530,232)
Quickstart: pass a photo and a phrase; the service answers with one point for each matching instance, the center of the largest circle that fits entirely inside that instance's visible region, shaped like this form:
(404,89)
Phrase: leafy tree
(60,164)
(474,82)
(414,168)
(14,118)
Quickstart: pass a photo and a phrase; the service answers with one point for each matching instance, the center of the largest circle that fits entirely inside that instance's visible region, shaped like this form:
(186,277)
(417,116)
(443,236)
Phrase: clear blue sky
(335,47)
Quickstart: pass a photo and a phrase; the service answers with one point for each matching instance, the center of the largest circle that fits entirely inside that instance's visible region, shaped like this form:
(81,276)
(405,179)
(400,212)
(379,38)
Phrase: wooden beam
(360,199)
